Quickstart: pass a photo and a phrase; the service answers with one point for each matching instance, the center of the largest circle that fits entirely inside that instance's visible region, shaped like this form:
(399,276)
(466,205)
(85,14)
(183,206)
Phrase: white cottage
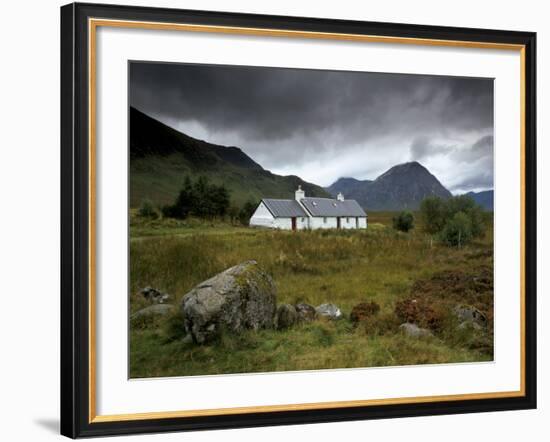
(309,213)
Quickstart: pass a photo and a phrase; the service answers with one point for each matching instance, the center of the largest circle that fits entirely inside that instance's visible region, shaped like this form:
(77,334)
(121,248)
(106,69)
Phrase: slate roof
(331,207)
(315,206)
(284,208)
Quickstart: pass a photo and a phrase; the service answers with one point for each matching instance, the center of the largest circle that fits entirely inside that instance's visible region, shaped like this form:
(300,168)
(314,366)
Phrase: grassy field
(341,267)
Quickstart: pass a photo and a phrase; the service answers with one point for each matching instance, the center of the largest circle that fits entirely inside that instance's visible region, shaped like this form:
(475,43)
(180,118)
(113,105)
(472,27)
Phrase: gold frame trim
(93,24)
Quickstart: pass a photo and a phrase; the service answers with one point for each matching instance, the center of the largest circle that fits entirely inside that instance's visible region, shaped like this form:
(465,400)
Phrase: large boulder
(241,297)
(286,316)
(306,312)
(328,311)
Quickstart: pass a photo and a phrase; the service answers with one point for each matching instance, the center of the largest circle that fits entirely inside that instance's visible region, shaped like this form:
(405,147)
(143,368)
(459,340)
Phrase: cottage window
(302,219)
(325,220)
(347,219)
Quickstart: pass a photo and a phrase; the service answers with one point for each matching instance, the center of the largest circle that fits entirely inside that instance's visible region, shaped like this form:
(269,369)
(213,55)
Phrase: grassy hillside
(342,267)
(160,157)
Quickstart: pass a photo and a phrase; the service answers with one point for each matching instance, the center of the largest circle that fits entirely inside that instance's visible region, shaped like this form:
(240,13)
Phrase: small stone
(471,315)
(154,296)
(305,312)
(414,330)
(286,316)
(329,311)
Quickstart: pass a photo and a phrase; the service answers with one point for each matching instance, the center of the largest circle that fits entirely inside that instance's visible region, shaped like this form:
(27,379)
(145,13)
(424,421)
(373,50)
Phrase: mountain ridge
(161,156)
(402,186)
(485,198)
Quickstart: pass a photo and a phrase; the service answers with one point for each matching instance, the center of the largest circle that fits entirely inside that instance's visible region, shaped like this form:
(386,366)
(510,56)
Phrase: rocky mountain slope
(402,187)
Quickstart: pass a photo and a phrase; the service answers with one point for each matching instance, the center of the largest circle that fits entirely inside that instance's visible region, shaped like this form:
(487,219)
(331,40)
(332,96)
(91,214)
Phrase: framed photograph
(280,220)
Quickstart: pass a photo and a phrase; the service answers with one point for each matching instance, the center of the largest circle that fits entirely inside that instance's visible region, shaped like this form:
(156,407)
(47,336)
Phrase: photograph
(285,219)
(278,220)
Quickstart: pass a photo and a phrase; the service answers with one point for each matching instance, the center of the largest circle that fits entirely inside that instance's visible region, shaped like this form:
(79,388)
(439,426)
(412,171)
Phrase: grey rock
(329,311)
(151,311)
(241,297)
(286,316)
(305,312)
(414,330)
(471,315)
(154,295)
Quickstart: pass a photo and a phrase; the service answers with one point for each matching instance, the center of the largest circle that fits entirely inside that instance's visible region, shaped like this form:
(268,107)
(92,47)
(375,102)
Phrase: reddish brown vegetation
(432,299)
(363,311)
(420,312)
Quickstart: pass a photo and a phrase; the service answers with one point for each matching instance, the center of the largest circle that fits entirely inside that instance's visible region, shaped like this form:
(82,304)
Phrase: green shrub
(403,222)
(458,230)
(385,323)
(169,211)
(247,211)
(477,221)
(456,221)
(433,212)
(147,209)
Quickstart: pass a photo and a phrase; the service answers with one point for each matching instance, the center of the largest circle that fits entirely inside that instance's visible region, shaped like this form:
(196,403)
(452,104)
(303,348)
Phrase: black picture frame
(75,221)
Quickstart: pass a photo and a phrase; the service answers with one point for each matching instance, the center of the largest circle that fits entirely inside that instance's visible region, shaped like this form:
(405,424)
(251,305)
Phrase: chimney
(300,194)
(340,197)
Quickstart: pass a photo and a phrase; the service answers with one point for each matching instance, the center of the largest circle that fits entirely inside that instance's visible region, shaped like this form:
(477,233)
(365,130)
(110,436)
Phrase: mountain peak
(402,186)
(345,179)
(404,168)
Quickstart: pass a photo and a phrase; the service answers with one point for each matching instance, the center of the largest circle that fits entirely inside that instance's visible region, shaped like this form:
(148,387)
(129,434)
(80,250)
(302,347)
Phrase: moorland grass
(341,267)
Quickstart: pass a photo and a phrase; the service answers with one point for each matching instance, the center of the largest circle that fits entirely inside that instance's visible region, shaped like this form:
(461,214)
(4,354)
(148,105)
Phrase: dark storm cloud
(289,119)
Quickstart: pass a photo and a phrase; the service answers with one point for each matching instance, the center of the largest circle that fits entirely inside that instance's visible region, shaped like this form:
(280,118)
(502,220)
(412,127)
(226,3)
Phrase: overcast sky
(322,125)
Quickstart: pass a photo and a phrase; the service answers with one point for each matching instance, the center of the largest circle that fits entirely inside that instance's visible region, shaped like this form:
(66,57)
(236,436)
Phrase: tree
(200,199)
(404,221)
(233,213)
(458,230)
(465,204)
(201,204)
(219,199)
(477,220)
(456,220)
(461,203)
(184,201)
(247,211)
(433,212)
